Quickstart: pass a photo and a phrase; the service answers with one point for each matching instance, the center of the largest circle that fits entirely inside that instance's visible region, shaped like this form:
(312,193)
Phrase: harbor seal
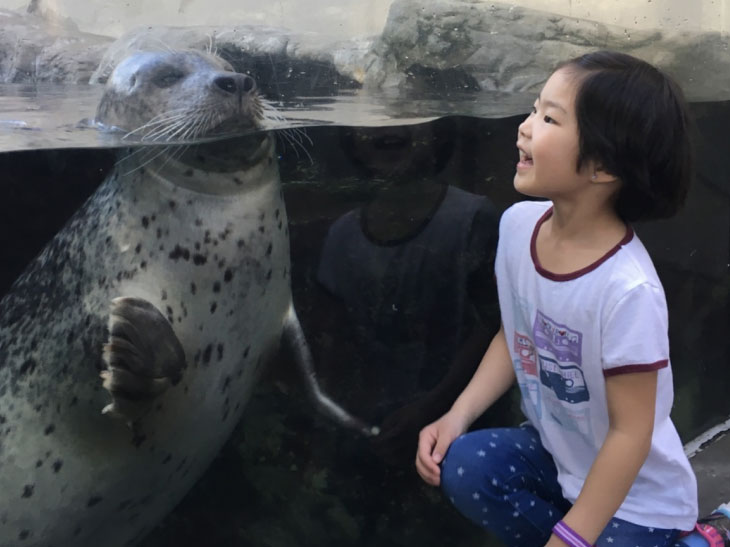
(172,284)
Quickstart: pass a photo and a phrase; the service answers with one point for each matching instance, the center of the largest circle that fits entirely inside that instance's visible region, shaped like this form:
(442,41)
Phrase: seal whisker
(155,123)
(300,135)
(173,111)
(141,155)
(176,114)
(163,151)
(131,154)
(167,132)
(180,124)
(175,153)
(206,122)
(269,111)
(146,162)
(180,151)
(180,129)
(162,132)
(196,127)
(212,49)
(191,126)
(296,142)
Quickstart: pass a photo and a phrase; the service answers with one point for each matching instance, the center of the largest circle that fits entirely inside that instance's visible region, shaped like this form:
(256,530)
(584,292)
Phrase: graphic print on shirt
(558,348)
(526,362)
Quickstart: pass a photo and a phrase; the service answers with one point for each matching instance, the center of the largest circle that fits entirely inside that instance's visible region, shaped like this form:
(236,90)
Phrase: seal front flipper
(296,342)
(143,358)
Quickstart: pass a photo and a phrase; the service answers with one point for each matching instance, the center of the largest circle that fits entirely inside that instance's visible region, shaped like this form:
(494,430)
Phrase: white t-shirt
(566,333)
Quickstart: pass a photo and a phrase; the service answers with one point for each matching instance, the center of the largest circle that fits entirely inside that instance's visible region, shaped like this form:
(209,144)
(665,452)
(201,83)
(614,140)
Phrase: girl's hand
(433,442)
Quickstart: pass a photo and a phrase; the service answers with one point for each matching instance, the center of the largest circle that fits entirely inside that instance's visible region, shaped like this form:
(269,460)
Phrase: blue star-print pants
(505,481)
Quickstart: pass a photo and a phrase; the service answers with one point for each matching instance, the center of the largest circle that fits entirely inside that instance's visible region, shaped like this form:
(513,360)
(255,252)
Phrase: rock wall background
(348,18)
(426,45)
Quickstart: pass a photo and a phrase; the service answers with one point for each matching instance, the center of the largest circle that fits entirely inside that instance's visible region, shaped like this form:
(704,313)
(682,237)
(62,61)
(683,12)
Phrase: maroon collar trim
(572,275)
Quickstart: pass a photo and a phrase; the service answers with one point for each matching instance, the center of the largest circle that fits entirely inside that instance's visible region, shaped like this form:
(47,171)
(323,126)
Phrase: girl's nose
(525,128)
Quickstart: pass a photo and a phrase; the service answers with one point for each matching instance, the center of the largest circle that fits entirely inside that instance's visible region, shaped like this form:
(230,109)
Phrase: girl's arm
(492,379)
(631,402)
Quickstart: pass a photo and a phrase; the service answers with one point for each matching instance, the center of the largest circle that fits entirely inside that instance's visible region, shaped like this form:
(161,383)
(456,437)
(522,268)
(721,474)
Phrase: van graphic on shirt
(559,353)
(567,381)
(565,393)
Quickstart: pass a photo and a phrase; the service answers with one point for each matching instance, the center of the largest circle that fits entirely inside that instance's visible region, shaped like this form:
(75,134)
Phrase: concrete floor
(712,467)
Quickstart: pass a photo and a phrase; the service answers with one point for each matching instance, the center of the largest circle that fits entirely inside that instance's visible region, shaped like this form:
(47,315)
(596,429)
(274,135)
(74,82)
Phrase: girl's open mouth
(525,160)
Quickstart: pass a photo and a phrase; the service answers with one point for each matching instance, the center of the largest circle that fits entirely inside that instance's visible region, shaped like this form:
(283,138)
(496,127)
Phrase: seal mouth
(230,154)
(231,127)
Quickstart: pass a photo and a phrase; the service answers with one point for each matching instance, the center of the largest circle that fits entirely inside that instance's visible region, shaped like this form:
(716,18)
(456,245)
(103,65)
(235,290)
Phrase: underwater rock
(426,45)
(36,49)
(46,48)
(461,45)
(283,62)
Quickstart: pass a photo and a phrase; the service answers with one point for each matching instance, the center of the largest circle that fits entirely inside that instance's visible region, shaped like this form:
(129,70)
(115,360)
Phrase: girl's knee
(455,464)
(490,458)
(466,464)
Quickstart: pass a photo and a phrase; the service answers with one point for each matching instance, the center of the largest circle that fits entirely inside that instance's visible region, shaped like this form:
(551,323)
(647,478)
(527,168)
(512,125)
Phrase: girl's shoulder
(631,278)
(524,213)
(634,264)
(527,207)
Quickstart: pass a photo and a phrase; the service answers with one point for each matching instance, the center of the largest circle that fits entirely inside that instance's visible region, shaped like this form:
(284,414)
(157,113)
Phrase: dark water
(288,477)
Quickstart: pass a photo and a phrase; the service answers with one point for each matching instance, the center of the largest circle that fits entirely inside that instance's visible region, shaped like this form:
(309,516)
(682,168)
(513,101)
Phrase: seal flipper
(143,358)
(296,342)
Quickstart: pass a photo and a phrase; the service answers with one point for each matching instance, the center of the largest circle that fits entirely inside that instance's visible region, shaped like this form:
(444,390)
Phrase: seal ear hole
(132,81)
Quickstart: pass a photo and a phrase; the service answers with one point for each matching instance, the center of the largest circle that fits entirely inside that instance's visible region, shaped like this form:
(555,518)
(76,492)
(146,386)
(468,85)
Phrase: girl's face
(548,143)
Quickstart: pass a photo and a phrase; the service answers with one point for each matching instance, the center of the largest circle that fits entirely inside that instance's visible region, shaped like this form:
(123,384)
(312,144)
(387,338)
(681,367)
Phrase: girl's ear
(601,176)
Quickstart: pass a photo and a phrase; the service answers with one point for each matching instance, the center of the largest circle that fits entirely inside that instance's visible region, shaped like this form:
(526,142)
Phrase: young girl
(584,327)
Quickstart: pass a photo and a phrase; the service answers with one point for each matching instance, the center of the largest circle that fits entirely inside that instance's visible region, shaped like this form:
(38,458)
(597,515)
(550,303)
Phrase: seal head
(179,96)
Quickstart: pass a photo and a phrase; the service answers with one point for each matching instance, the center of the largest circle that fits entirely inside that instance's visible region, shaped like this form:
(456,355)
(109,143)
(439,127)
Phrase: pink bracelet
(569,536)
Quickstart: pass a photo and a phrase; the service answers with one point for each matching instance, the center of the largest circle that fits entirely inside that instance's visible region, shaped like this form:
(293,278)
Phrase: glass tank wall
(394,126)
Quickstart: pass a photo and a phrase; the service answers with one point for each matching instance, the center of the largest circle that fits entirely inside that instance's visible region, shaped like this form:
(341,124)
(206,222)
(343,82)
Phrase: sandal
(715,528)
(711,535)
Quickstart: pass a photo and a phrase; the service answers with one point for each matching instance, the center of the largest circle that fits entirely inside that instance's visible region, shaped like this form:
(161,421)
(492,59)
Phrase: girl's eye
(548,119)
(533,110)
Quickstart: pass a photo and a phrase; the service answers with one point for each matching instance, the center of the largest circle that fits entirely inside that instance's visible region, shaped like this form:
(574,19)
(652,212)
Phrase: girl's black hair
(633,121)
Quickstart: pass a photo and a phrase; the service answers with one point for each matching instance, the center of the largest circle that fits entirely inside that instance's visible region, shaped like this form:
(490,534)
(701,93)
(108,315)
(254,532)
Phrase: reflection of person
(411,274)
(584,327)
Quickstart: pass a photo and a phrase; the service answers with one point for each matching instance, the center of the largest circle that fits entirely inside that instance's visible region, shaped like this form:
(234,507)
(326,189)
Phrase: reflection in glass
(409,284)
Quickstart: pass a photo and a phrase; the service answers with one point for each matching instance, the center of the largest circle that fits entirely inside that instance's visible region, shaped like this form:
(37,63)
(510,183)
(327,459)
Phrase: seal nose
(235,83)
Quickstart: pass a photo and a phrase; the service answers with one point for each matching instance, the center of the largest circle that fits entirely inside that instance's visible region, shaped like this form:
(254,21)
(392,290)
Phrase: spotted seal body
(172,284)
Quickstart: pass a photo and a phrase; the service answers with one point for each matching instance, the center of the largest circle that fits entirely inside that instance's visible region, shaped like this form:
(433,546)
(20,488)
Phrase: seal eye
(168,78)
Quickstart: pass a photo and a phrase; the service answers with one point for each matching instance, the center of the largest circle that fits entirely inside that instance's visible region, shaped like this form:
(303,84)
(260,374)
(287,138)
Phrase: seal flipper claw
(296,342)
(143,357)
